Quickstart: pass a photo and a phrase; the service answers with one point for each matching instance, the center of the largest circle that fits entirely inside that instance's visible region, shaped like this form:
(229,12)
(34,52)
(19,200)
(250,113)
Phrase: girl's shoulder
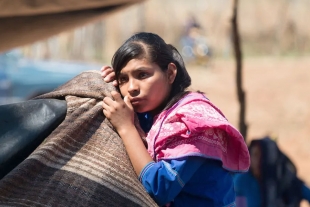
(193,98)
(196,105)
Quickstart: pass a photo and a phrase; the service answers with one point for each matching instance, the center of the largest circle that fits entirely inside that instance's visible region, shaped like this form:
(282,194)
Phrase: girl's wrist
(124,131)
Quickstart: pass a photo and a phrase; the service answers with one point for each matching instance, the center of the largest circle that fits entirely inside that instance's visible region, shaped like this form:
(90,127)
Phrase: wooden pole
(238,56)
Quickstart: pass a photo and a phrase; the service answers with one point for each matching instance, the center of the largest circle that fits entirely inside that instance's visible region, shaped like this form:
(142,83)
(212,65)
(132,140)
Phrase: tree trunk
(238,56)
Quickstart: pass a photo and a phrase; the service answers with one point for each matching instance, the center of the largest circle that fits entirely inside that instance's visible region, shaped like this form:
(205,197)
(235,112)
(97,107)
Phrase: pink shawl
(195,127)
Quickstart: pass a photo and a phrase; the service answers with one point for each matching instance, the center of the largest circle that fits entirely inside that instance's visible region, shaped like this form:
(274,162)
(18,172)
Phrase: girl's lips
(136,101)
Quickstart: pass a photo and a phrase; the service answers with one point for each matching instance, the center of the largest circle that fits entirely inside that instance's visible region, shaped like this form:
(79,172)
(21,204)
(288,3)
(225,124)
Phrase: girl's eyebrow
(136,70)
(141,68)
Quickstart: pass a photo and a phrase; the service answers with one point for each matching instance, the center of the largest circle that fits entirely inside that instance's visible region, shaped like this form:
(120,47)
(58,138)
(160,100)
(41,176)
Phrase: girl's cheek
(122,90)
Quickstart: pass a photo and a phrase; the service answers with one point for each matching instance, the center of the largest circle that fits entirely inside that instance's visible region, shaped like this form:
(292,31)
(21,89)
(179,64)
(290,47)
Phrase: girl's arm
(164,180)
(121,115)
(137,153)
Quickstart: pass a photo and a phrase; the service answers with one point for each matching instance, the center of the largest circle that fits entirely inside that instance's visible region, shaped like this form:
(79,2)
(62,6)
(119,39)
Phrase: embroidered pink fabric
(195,127)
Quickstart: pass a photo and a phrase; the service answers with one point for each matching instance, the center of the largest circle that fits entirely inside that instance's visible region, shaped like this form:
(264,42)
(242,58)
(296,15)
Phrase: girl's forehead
(138,64)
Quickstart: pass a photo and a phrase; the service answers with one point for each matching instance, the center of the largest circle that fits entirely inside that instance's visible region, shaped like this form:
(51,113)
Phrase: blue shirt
(190,181)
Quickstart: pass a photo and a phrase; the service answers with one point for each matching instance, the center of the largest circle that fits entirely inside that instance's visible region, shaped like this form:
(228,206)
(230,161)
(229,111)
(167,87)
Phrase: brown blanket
(82,162)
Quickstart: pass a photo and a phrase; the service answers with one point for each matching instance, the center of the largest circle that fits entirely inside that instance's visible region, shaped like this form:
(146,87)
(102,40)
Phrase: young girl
(192,149)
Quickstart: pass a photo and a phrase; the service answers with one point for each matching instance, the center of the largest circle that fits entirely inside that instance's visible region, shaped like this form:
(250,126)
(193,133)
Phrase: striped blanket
(82,162)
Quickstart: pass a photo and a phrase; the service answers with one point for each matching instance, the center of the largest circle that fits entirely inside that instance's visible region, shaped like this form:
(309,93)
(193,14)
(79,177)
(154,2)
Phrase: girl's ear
(171,72)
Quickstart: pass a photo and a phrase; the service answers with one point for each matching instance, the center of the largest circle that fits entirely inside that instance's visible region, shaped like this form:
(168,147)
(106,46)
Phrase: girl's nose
(133,88)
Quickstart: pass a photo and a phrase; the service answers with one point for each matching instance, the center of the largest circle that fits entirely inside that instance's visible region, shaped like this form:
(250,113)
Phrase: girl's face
(145,84)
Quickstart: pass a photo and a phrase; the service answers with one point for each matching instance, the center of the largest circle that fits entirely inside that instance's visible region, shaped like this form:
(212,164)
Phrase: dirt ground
(277,97)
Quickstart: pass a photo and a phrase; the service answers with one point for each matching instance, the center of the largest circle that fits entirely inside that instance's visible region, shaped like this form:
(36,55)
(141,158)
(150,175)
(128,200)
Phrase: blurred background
(268,29)
(275,40)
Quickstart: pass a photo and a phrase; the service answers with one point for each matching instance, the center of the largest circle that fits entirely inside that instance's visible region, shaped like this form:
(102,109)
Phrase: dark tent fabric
(26,21)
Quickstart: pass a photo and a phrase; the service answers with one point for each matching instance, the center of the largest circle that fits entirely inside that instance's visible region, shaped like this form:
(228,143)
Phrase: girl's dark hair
(154,48)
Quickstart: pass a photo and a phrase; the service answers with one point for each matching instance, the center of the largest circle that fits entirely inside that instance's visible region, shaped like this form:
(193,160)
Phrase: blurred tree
(238,55)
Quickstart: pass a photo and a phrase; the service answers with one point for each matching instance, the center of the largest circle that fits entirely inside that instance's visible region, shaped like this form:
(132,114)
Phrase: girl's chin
(141,109)
(138,109)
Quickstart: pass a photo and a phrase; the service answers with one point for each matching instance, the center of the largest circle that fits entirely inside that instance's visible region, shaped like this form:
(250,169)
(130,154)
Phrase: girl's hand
(121,115)
(119,112)
(108,75)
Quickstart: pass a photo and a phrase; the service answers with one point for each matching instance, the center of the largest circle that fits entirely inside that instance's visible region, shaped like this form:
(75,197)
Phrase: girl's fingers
(117,96)
(115,83)
(108,103)
(106,72)
(105,109)
(109,77)
(105,68)
(128,103)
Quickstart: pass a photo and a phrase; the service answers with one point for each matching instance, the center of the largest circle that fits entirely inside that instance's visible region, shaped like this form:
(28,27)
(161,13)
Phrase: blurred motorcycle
(195,49)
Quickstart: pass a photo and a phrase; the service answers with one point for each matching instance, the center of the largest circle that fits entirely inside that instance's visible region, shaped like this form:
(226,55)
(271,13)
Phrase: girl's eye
(122,80)
(142,75)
